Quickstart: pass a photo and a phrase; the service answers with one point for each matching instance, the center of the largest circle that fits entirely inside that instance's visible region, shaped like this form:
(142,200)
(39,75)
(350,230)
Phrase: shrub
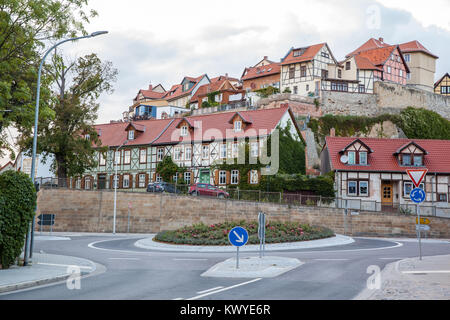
(17,205)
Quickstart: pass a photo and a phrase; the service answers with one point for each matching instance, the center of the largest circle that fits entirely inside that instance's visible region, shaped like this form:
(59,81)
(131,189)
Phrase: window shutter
(146,180)
(131,182)
(216,177)
(120,186)
(82,183)
(228,180)
(154,177)
(111,181)
(249,174)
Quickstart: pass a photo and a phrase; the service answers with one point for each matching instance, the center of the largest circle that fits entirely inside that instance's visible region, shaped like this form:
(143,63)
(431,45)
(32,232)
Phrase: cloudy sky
(163,41)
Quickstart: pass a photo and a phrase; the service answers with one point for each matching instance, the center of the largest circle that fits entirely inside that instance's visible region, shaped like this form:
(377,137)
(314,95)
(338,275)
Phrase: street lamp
(30,234)
(116,182)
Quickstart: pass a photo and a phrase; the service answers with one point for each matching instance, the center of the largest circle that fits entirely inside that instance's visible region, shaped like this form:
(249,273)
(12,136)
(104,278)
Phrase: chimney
(332,132)
(266,57)
(381,40)
(226,76)
(150,87)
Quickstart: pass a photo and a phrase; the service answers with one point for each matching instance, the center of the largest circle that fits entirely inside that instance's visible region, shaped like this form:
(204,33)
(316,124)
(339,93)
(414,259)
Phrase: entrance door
(387,193)
(204,176)
(102,181)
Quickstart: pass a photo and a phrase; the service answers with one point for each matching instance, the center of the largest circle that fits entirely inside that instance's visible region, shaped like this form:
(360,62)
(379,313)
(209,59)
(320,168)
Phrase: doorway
(101,181)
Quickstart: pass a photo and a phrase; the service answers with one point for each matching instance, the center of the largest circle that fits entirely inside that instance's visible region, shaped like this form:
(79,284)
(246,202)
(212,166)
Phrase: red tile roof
(308,55)
(264,71)
(440,80)
(383,160)
(365,64)
(369,45)
(415,46)
(378,56)
(177,90)
(217,126)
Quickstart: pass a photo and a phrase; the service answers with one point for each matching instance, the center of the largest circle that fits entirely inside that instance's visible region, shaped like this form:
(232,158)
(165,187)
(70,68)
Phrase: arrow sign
(238,237)
(417,175)
(423,221)
(418,195)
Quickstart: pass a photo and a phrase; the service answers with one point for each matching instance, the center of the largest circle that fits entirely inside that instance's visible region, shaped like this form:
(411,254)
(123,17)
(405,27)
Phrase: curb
(30,284)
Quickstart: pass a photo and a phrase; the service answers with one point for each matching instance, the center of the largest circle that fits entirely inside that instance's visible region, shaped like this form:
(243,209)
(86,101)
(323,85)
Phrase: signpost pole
(237,257)
(419,231)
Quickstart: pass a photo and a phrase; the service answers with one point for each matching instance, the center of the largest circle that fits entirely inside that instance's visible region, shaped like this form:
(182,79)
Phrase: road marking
(124,258)
(392,258)
(178,299)
(224,289)
(205,291)
(192,259)
(434,271)
(92,246)
(64,265)
(331,259)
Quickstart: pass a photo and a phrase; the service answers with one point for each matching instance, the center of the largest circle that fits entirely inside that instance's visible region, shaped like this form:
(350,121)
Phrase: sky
(153,42)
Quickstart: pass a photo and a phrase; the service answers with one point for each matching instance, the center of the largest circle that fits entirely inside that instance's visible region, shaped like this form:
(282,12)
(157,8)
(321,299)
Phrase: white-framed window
(187,177)
(364,188)
(406,159)
(237,126)
(131,135)
(117,156)
(126,181)
(389,69)
(400,73)
(177,154)
(351,157)
(409,186)
(160,154)
(102,160)
(175,177)
(218,98)
(234,150)
(222,177)
(407,57)
(223,150)
(254,176)
(418,161)
(234,177)
(126,156)
(187,153)
(352,188)
(205,151)
(158,178)
(363,158)
(184,131)
(143,156)
(254,149)
(87,183)
(78,183)
(141,182)
(116,181)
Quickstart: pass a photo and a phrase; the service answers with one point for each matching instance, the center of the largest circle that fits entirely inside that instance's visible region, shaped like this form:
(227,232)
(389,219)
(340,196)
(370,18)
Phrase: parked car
(162,187)
(204,189)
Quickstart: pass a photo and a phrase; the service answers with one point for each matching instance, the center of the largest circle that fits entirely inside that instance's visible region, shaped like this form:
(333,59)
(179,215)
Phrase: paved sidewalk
(45,268)
(412,279)
(338,240)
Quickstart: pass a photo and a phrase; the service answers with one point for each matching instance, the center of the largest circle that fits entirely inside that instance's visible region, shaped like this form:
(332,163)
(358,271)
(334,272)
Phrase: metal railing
(439,209)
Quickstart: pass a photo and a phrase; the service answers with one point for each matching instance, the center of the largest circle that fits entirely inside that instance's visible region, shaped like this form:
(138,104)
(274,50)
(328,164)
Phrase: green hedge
(17,205)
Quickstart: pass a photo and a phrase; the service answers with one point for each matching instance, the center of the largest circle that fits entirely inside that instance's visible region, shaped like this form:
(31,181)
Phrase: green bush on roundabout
(217,234)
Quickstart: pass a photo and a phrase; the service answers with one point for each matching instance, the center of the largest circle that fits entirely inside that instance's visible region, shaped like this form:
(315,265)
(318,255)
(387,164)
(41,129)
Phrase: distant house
(442,86)
(180,95)
(263,74)
(220,91)
(370,173)
(152,93)
(7,166)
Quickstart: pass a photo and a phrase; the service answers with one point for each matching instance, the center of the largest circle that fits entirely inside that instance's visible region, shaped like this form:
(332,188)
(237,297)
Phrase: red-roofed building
(370,173)
(442,86)
(218,91)
(193,142)
(265,73)
(181,94)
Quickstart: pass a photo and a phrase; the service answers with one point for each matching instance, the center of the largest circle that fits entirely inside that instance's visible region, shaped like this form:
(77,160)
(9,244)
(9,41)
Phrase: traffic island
(253,267)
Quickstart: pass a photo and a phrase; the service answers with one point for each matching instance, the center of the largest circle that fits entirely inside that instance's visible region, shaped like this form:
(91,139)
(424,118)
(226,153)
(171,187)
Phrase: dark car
(162,187)
(204,189)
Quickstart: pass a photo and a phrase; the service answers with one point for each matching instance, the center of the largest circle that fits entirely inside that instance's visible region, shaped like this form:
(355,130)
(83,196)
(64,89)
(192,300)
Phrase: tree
(419,123)
(167,168)
(25,27)
(79,84)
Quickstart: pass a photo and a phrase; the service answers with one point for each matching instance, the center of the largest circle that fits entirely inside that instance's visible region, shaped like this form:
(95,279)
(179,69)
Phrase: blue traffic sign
(418,195)
(238,237)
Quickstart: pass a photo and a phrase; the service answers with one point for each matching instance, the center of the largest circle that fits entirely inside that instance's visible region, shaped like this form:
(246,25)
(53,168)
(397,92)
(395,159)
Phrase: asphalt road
(128,272)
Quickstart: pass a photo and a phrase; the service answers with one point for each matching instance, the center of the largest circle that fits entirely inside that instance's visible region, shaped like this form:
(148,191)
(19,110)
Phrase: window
(291,72)
(352,185)
(324,74)
(389,69)
(218,98)
(351,157)
(418,161)
(177,154)
(205,151)
(102,159)
(158,178)
(400,73)
(347,65)
(361,88)
(445,89)
(223,151)
(407,57)
(406,159)
(298,53)
(126,181)
(175,177)
(408,187)
(254,177)
(234,177)
(126,156)
(187,153)
(234,150)
(303,71)
(184,131)
(364,188)
(254,149)
(187,177)
(295,89)
(141,180)
(363,158)
(160,154)
(325,55)
(408,76)
(143,156)
(222,177)
(78,183)
(117,156)
(442,197)
(237,126)
(339,73)
(87,183)
(131,135)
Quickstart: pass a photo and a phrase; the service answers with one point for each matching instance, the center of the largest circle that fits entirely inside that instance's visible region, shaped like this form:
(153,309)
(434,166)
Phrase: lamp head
(98,33)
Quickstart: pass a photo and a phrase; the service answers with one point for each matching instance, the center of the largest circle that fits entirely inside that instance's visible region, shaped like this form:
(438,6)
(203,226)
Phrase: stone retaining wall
(92,211)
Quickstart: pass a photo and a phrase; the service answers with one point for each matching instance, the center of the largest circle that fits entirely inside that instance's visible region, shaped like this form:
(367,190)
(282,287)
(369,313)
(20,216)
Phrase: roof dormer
(134,130)
(411,155)
(356,153)
(240,121)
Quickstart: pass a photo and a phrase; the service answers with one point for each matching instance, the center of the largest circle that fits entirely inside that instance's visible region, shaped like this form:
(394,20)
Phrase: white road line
(92,246)
(331,259)
(392,258)
(64,265)
(224,289)
(205,291)
(124,258)
(192,259)
(434,271)
(178,299)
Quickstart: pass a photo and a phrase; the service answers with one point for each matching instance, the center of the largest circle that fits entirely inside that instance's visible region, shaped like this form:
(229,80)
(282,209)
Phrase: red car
(204,189)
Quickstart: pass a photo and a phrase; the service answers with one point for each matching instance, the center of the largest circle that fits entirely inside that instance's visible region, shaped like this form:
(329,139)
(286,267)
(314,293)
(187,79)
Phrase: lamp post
(30,234)
(116,182)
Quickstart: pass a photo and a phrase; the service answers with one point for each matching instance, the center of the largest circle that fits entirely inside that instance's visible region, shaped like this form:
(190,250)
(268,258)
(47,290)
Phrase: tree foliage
(167,168)
(424,124)
(26,27)
(79,83)
(17,205)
